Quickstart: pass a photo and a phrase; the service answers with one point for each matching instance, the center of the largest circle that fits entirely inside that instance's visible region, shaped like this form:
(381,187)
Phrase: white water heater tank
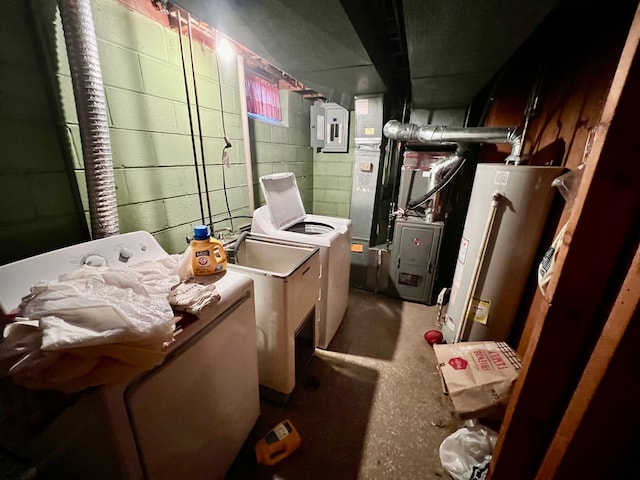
(488,287)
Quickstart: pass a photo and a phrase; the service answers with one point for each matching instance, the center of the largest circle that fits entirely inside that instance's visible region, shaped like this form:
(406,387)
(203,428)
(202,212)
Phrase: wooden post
(598,425)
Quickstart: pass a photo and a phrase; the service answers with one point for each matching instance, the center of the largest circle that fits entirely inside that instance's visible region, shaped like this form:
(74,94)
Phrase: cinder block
(147,184)
(326,182)
(172,45)
(25,238)
(172,240)
(140,112)
(342,169)
(116,24)
(319,169)
(162,79)
(320,195)
(120,67)
(132,148)
(259,131)
(281,167)
(122,193)
(75,144)
(30,146)
(265,153)
(262,169)
(208,93)
(18,204)
(304,154)
(149,216)
(228,102)
(298,136)
(228,72)
(172,149)
(29,99)
(51,193)
(280,134)
(17,40)
(211,122)
(325,208)
(345,183)
(343,209)
(67,99)
(214,176)
(338,196)
(183,209)
(236,176)
(81,183)
(204,59)
(286,153)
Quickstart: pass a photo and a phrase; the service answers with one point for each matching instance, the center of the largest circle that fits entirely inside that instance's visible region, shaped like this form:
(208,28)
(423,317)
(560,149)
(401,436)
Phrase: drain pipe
(443,135)
(91,107)
(246,140)
(477,267)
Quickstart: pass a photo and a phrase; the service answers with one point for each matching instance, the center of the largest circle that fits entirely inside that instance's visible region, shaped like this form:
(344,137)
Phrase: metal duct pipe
(443,135)
(82,50)
(441,174)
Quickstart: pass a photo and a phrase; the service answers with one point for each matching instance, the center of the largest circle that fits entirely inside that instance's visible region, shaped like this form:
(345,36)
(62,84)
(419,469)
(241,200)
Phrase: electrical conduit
(91,107)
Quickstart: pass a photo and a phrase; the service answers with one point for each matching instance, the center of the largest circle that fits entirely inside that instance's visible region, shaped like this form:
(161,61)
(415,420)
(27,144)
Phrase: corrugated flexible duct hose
(82,50)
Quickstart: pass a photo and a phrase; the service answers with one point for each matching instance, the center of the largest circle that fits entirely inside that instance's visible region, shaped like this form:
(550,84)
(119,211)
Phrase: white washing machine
(187,417)
(284,218)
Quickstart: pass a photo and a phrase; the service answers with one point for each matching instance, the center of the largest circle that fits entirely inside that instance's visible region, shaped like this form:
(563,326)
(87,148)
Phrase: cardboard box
(478,376)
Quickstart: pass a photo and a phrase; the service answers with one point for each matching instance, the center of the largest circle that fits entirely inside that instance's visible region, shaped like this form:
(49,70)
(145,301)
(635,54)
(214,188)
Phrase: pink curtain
(262,97)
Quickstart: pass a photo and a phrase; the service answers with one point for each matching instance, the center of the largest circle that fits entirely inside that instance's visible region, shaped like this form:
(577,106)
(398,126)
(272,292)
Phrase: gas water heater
(507,214)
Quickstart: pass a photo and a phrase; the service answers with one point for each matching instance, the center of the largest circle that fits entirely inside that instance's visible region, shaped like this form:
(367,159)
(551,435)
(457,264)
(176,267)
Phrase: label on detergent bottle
(278,433)
(278,444)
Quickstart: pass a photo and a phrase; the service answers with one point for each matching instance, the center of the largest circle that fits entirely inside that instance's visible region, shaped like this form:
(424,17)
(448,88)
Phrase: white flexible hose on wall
(82,50)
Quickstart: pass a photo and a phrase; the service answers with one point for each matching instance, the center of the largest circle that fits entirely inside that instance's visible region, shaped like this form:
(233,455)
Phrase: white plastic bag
(466,453)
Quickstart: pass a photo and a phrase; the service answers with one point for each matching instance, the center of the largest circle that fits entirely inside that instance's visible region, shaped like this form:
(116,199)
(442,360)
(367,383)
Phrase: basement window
(263,98)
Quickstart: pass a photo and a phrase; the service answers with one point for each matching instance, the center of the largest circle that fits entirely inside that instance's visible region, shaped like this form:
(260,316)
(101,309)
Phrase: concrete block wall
(46,200)
(152,147)
(332,179)
(40,208)
(284,147)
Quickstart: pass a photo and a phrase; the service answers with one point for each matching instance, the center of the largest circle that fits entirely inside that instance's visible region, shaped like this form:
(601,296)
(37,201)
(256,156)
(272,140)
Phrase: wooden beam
(592,262)
(588,429)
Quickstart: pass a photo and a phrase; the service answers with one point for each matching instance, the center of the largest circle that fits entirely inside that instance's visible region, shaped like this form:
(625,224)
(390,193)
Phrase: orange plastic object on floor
(278,444)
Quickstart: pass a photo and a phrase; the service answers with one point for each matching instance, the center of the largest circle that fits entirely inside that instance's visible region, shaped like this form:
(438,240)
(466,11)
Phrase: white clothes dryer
(186,418)
(284,217)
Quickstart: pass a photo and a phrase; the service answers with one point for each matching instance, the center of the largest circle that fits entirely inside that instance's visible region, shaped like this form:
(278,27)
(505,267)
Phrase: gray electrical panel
(329,124)
(414,259)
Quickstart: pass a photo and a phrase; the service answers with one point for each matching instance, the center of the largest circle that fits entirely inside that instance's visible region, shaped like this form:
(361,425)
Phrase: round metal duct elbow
(82,50)
(431,134)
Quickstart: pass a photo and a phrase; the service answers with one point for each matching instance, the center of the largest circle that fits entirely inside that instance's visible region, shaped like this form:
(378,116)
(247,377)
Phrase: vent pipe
(442,135)
(82,50)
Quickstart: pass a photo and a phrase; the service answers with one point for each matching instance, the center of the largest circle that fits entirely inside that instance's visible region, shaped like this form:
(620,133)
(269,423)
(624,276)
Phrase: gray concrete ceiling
(446,51)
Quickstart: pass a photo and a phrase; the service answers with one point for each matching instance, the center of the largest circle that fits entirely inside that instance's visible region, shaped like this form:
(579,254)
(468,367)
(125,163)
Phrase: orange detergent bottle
(208,255)
(279,443)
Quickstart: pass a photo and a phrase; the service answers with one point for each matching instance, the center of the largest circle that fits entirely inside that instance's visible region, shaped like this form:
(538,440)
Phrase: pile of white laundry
(98,325)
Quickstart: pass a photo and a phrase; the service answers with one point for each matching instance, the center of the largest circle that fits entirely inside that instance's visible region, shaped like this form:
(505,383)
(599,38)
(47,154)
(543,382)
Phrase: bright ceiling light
(226,50)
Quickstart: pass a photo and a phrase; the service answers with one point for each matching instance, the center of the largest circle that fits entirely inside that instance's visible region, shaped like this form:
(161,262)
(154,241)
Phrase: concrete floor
(369,407)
